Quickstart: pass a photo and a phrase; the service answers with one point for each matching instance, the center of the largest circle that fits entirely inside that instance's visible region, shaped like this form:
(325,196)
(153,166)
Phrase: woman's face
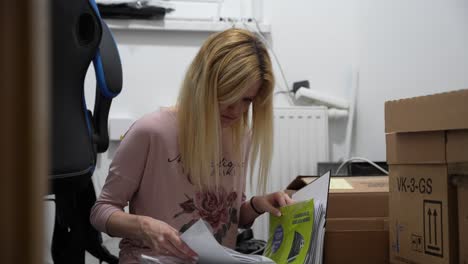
(231,113)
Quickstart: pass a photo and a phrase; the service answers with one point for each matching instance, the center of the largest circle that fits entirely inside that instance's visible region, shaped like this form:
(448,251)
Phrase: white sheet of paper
(340,184)
(145,259)
(317,190)
(200,239)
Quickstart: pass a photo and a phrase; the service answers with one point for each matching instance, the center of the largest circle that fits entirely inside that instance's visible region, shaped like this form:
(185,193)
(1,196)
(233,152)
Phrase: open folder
(295,237)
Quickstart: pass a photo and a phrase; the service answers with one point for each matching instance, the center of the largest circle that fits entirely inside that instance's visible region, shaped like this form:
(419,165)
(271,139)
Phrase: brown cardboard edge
(363,204)
(457,146)
(357,224)
(364,247)
(416,148)
(410,114)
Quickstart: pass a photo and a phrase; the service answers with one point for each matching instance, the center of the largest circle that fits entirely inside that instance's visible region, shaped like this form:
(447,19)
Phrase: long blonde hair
(222,71)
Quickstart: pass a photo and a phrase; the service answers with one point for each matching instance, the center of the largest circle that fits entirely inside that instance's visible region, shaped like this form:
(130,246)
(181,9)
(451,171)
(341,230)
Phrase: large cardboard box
(356,240)
(427,153)
(463,221)
(357,219)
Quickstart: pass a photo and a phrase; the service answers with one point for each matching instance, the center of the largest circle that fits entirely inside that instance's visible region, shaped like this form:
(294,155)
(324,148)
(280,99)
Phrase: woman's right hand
(165,240)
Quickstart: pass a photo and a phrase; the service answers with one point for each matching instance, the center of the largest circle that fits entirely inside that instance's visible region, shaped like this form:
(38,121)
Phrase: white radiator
(300,141)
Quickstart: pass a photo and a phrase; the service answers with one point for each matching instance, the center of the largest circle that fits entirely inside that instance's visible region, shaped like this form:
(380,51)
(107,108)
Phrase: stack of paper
(297,236)
(318,191)
(200,239)
(290,234)
(318,235)
(299,220)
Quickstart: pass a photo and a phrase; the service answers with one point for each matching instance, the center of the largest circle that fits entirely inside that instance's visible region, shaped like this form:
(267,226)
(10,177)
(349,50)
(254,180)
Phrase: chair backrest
(77,34)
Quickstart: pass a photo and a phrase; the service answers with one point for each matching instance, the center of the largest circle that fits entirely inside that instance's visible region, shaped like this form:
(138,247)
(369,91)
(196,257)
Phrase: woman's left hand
(271,202)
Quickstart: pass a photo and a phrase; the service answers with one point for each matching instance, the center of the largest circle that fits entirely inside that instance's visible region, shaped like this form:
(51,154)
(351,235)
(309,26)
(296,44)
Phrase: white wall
(316,40)
(406,48)
(153,65)
(402,48)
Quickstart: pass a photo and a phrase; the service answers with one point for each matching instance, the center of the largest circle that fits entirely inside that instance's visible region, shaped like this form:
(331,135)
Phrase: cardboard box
(357,219)
(352,197)
(427,145)
(356,240)
(463,221)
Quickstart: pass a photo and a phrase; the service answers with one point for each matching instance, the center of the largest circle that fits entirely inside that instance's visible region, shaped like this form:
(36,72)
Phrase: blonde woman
(189,162)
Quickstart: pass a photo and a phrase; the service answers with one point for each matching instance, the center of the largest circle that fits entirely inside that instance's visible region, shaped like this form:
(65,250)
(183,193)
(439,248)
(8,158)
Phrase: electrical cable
(360,159)
(283,92)
(260,249)
(257,30)
(272,51)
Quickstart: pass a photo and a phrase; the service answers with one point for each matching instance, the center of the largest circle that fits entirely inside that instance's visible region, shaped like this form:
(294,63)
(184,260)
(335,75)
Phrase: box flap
(444,111)
(416,148)
(358,205)
(457,146)
(352,196)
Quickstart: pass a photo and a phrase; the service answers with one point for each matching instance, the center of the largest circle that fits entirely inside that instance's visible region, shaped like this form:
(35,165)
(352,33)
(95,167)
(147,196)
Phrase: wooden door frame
(24,71)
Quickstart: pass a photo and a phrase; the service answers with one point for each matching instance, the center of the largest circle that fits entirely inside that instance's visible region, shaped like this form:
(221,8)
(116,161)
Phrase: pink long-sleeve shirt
(146,173)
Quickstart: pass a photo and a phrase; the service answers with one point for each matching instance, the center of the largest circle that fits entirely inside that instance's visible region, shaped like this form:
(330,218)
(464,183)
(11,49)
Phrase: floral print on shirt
(216,208)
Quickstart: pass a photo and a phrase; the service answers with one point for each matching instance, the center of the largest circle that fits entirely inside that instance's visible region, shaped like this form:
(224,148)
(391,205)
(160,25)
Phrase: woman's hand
(165,240)
(271,202)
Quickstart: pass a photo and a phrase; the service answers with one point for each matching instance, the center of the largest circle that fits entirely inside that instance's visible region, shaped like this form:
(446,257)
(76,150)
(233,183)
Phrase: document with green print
(290,234)
(297,236)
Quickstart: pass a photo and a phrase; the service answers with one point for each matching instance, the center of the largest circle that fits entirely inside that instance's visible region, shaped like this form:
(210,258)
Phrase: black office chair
(79,36)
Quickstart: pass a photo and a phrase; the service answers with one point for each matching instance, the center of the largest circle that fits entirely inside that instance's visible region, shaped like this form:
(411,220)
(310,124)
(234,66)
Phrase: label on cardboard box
(419,214)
